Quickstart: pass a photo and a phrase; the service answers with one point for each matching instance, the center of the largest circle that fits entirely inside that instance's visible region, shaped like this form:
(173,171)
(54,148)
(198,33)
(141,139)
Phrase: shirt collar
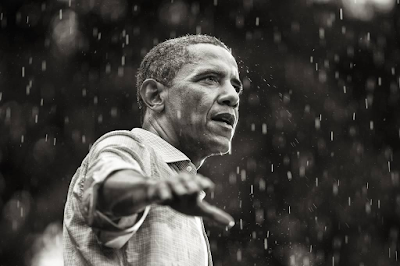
(168,153)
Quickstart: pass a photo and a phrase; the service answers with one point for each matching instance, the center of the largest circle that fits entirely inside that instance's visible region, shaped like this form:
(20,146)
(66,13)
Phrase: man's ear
(151,91)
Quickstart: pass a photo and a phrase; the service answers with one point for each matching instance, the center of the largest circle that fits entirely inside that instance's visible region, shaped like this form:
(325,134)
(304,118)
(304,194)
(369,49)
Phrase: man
(137,197)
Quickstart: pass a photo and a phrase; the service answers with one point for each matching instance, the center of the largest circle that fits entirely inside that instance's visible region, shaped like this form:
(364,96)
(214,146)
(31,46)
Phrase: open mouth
(226,118)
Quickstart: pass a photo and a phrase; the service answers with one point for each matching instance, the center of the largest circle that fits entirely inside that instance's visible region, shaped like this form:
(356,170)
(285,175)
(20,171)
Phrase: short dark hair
(164,61)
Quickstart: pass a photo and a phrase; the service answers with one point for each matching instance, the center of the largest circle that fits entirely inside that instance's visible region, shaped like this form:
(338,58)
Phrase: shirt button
(189,168)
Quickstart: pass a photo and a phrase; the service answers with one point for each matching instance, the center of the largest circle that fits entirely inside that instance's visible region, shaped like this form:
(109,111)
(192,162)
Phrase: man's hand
(182,193)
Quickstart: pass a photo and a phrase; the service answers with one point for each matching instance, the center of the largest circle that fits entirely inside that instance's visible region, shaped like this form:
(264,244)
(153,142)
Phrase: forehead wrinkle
(202,60)
(214,65)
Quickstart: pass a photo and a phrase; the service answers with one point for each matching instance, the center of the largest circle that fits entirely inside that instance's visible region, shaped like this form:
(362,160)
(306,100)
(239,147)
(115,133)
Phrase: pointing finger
(216,214)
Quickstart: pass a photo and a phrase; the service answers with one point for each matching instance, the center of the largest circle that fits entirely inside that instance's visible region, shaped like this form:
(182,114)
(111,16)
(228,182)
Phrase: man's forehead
(207,52)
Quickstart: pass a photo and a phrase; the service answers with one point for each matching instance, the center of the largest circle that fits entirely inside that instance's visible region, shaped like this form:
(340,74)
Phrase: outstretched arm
(126,192)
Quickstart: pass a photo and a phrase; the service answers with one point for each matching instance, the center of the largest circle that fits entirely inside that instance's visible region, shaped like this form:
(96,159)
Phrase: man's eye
(211,79)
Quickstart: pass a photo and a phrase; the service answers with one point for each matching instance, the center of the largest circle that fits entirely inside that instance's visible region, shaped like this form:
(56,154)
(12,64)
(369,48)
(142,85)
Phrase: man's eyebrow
(207,71)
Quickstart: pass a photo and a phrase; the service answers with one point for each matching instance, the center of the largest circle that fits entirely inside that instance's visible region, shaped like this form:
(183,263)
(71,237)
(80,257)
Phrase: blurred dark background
(313,178)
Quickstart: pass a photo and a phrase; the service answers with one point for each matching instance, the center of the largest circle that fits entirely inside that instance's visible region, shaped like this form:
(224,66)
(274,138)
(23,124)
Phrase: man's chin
(221,147)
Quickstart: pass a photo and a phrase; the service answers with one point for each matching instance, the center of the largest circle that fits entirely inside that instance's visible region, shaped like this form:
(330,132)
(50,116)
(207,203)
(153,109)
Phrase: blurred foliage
(313,178)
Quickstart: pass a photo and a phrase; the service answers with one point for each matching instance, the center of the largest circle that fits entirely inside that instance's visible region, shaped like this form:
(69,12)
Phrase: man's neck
(169,136)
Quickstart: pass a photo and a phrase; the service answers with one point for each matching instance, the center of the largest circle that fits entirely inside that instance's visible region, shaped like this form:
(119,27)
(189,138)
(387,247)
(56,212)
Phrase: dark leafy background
(313,178)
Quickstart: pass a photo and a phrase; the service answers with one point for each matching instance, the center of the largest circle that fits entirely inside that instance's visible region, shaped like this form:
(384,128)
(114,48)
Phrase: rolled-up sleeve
(107,156)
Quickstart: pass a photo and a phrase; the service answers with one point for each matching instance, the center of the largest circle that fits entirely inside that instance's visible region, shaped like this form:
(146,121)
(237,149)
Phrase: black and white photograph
(199,132)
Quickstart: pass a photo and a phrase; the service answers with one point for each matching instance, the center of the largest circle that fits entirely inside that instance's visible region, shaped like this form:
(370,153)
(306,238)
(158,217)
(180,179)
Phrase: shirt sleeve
(108,155)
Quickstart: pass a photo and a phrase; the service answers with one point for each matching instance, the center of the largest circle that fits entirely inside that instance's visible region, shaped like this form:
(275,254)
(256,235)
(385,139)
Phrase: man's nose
(229,96)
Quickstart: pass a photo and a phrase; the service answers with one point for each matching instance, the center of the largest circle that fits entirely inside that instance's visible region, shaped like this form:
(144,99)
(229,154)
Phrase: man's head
(164,60)
(190,87)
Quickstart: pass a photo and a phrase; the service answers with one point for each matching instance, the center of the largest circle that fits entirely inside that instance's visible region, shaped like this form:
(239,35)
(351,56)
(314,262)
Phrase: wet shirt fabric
(157,236)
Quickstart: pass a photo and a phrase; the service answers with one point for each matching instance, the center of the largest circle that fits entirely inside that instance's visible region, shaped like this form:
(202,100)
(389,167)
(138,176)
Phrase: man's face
(202,104)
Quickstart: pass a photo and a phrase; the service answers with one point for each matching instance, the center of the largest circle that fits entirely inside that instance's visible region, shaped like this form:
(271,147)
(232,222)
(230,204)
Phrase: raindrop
(239,255)
(317,123)
(321,33)
(108,68)
(261,185)
(302,171)
(264,127)
(23,71)
(8,113)
(335,189)
(243,175)
(120,71)
(289,175)
(341,14)
(114,112)
(257,21)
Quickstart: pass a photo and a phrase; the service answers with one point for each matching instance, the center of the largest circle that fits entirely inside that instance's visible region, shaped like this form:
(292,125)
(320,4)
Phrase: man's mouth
(226,118)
